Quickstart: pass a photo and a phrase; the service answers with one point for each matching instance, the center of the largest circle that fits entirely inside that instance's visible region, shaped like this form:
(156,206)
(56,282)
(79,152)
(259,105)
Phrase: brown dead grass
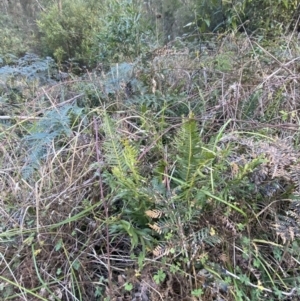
(54,227)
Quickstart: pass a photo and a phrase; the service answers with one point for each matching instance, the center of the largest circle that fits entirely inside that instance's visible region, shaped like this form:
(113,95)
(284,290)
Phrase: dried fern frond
(161,226)
(228,225)
(156,228)
(295,177)
(224,258)
(286,228)
(161,250)
(154,213)
(294,210)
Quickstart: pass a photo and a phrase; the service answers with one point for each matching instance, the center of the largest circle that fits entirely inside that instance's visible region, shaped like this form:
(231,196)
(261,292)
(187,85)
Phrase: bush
(69,31)
(269,17)
(13,42)
(124,34)
(86,31)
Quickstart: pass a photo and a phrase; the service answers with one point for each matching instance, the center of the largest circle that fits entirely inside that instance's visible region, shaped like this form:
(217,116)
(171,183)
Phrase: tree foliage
(266,17)
(194,17)
(124,33)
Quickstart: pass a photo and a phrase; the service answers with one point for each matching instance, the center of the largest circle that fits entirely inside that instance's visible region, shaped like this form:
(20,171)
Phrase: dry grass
(56,242)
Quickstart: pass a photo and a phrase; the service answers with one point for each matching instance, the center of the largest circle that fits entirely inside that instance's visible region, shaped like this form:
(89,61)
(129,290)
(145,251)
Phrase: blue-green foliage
(27,68)
(54,125)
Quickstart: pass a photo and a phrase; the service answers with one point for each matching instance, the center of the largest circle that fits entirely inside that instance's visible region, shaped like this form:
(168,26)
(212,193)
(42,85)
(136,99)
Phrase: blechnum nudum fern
(171,198)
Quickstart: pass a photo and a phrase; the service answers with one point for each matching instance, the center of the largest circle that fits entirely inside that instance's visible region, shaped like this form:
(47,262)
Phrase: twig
(105,204)
(6,117)
(155,141)
(260,287)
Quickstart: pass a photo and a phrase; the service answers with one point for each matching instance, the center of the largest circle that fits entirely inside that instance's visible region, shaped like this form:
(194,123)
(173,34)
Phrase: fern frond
(204,236)
(120,155)
(130,154)
(188,146)
(155,213)
(161,250)
(112,146)
(162,226)
(155,227)
(286,228)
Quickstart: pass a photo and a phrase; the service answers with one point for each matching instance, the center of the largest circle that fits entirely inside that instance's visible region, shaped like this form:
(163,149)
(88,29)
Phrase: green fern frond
(188,146)
(205,235)
(130,155)
(121,156)
(112,146)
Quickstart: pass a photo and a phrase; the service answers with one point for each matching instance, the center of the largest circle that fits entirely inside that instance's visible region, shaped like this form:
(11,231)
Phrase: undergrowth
(173,177)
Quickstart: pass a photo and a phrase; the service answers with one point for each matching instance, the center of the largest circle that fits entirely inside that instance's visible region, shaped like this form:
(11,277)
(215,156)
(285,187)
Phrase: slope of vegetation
(161,171)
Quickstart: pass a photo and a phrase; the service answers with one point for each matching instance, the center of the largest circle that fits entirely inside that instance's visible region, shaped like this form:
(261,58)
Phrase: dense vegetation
(149,150)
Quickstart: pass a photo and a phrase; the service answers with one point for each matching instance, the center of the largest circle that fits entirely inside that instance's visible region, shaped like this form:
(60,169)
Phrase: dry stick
(282,66)
(6,117)
(39,4)
(22,117)
(261,288)
(105,204)
(259,125)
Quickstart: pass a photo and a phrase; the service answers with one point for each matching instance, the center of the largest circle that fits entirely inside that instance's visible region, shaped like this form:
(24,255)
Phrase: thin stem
(105,204)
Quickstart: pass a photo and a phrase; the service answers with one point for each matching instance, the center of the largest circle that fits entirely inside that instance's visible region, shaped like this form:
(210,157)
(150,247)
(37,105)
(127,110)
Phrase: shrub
(69,31)
(13,43)
(86,31)
(269,17)
(124,34)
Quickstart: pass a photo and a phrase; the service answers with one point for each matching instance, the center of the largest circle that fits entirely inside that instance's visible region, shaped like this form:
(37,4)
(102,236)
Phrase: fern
(179,205)
(161,250)
(126,184)
(122,174)
(120,156)
(155,213)
(188,146)
(112,146)
(130,155)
